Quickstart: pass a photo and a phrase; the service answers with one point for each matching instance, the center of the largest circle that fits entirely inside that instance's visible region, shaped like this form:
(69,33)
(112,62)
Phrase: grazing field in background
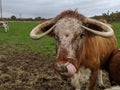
(116,26)
(18,38)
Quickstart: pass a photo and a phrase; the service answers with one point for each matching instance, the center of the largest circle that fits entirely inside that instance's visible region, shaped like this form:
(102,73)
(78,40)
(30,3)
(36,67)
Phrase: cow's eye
(82,35)
(76,37)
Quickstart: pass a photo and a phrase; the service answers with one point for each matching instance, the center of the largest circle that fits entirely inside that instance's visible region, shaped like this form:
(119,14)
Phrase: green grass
(18,38)
(116,26)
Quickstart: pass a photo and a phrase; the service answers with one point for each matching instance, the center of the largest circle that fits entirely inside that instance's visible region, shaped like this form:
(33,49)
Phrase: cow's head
(69,29)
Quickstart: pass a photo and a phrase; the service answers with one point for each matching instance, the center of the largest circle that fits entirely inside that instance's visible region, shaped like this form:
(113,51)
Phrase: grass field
(116,26)
(18,38)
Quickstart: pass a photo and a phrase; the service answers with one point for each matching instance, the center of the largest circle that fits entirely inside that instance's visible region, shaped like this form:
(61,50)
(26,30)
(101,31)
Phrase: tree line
(14,18)
(110,17)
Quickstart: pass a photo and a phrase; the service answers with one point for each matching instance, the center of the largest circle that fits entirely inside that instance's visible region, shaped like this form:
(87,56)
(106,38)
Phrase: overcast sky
(50,8)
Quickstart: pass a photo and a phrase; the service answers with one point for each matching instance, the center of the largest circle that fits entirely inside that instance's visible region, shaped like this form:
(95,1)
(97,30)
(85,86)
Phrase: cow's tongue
(71,69)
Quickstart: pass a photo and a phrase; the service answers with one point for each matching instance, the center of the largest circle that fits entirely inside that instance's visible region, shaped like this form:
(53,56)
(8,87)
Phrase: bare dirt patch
(31,71)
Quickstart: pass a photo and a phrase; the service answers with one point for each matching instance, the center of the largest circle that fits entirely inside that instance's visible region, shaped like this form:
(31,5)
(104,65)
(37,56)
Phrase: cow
(4,25)
(113,67)
(82,45)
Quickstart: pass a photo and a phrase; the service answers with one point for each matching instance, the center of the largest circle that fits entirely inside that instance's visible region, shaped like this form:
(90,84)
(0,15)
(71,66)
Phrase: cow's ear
(92,26)
(46,27)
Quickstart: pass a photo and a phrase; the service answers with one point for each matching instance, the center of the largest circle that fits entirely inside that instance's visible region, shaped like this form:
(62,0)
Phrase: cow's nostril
(67,69)
(61,68)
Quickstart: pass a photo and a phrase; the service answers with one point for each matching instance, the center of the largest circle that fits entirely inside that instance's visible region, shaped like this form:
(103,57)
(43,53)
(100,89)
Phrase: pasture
(26,64)
(18,38)
(116,26)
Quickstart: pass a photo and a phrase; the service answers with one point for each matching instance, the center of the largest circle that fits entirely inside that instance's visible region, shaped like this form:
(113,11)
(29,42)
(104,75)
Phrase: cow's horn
(34,33)
(109,31)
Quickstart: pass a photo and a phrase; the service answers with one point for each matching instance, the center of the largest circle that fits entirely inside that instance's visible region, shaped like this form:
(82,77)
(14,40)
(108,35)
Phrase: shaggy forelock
(71,14)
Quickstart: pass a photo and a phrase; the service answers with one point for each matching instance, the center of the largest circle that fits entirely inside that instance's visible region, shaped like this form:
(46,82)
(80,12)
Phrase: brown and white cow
(82,45)
(4,25)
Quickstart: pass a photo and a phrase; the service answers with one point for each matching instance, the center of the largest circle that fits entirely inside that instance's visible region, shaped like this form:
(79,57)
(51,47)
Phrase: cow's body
(99,54)
(114,67)
(80,53)
(4,25)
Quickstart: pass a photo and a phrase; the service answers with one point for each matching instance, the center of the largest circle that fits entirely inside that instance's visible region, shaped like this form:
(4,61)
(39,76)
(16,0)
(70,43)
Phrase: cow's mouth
(66,69)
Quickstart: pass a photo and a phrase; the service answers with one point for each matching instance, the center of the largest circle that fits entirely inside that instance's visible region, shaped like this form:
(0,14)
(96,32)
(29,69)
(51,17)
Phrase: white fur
(4,25)
(100,79)
(113,88)
(80,78)
(66,34)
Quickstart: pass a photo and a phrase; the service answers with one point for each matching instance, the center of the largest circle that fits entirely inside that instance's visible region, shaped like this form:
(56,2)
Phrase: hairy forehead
(68,26)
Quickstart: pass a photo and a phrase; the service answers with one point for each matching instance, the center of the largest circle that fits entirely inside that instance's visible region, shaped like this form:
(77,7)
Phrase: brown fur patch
(71,14)
(114,66)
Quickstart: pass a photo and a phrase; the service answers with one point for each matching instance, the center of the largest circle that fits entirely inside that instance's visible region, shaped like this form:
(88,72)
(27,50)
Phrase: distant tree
(110,17)
(13,17)
(38,18)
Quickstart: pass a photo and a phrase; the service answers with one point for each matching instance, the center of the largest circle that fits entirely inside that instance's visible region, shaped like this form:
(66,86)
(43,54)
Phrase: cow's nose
(61,68)
(66,69)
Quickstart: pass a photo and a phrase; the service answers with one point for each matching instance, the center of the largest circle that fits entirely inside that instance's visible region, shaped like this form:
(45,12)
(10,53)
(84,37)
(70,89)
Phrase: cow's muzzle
(66,69)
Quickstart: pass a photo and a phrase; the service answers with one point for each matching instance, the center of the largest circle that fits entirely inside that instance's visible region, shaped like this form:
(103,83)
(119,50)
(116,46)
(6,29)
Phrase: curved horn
(109,31)
(34,33)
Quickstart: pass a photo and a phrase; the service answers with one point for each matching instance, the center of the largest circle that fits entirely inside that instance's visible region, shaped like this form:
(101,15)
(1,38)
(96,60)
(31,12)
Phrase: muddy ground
(20,70)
